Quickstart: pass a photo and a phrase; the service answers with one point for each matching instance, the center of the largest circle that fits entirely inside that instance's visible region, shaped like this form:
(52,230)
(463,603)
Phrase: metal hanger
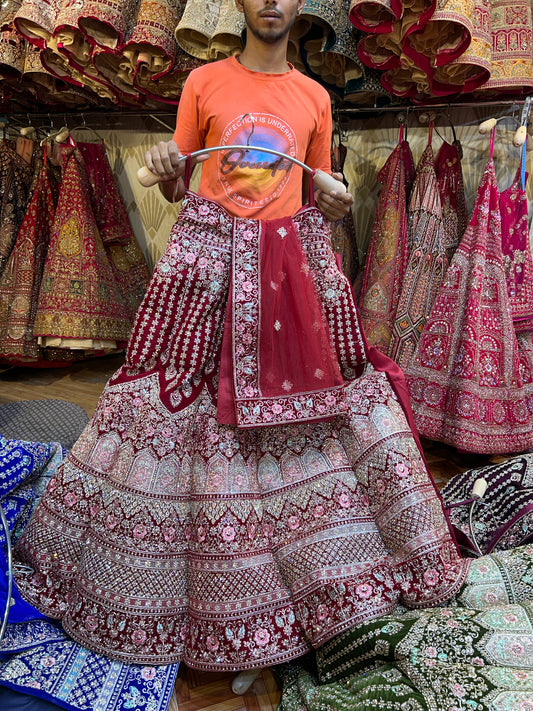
(322,180)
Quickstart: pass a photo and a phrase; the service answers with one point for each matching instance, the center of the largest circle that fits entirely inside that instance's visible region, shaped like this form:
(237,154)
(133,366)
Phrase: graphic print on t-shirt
(252,178)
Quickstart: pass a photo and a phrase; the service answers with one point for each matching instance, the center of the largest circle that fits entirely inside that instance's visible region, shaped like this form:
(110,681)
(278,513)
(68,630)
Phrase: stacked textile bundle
(430,49)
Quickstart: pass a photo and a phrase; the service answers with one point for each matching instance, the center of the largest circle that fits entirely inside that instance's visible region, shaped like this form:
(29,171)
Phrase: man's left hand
(334,205)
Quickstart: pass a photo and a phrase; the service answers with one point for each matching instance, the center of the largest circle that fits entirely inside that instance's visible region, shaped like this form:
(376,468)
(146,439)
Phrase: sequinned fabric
(476,653)
(15,181)
(468,383)
(167,536)
(388,251)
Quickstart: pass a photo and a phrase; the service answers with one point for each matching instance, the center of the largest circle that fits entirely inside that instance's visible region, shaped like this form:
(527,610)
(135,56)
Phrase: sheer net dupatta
(290,339)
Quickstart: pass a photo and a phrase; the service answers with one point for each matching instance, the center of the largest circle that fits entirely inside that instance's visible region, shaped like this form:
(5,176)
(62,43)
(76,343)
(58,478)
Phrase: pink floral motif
(262,637)
(169,534)
(318,511)
(431,577)
(364,590)
(212,643)
(190,258)
(148,673)
(293,522)
(228,533)
(268,530)
(200,532)
(70,499)
(91,623)
(138,637)
(458,690)
(139,531)
(401,469)
(431,652)
(345,501)
(47,661)
(277,408)
(321,612)
(111,521)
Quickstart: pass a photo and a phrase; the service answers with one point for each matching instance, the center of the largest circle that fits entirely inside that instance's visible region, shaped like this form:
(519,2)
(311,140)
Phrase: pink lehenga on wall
(468,385)
(168,536)
(388,251)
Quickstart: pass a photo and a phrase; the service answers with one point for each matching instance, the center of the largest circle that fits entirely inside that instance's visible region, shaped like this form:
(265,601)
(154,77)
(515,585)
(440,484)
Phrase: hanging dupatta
(279,362)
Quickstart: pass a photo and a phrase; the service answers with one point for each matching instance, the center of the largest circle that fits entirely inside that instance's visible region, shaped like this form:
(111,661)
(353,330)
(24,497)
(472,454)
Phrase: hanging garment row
(71,272)
(454,308)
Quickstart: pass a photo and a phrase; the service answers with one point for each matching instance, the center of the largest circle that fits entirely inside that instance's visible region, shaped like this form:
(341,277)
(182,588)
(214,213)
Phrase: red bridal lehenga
(21,279)
(470,379)
(387,257)
(171,534)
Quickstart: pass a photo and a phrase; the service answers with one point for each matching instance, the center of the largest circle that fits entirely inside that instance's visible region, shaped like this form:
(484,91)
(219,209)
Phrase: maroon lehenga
(15,184)
(168,536)
(21,279)
(470,380)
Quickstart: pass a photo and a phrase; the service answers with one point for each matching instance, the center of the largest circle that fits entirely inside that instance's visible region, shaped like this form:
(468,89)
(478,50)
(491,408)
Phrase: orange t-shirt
(291,113)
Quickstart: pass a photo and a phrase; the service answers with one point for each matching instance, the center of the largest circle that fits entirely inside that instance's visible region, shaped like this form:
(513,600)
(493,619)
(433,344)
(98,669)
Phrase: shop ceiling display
(138,53)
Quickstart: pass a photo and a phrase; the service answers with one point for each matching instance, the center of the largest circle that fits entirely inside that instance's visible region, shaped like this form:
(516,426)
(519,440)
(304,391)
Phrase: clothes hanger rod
(322,180)
(349,110)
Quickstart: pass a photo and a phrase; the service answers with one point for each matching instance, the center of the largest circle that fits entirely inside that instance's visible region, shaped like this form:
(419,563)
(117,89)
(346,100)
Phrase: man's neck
(267,58)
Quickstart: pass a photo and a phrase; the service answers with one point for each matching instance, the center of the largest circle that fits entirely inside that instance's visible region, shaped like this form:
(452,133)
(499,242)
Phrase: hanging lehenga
(387,255)
(15,183)
(125,257)
(80,304)
(169,536)
(21,279)
(427,261)
(470,385)
(452,194)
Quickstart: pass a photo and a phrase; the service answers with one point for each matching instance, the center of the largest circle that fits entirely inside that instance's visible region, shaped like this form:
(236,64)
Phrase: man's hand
(334,205)
(166,161)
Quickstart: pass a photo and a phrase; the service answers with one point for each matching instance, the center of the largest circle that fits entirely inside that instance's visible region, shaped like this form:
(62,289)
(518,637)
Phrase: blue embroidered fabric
(56,669)
(25,469)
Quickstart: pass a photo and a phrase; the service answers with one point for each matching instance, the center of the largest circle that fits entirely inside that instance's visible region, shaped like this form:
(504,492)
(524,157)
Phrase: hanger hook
(253,127)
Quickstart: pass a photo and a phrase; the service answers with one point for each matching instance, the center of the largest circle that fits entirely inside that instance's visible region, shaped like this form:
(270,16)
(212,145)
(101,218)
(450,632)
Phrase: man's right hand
(164,161)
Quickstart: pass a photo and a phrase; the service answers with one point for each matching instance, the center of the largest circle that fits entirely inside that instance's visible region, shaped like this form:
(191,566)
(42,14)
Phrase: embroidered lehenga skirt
(169,534)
